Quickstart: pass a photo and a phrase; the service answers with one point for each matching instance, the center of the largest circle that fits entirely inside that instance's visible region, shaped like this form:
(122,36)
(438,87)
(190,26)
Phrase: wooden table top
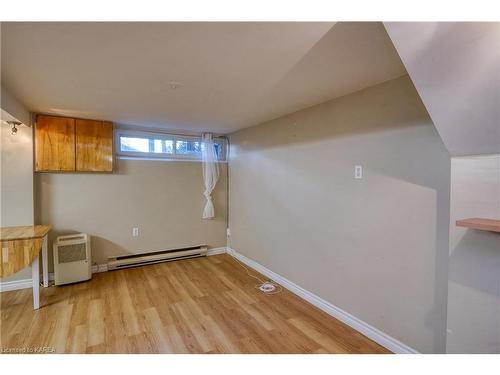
(24,233)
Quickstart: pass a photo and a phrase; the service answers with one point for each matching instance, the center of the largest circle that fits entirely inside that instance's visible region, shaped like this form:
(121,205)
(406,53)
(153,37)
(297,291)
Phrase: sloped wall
(455,67)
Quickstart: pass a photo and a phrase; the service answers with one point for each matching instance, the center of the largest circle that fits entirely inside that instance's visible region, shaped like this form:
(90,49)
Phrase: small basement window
(132,144)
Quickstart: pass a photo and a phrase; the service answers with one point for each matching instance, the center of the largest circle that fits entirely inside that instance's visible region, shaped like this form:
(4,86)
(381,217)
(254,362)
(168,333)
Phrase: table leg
(45,262)
(35,273)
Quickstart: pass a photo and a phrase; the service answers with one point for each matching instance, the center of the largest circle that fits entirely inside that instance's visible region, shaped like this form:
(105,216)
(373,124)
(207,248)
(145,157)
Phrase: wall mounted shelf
(490,225)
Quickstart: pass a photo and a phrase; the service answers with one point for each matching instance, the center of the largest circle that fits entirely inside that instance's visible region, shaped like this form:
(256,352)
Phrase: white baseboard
(371,332)
(216,251)
(6,286)
(97,268)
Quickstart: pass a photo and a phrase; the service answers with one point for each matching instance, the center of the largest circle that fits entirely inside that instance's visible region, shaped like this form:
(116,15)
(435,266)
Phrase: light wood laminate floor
(203,305)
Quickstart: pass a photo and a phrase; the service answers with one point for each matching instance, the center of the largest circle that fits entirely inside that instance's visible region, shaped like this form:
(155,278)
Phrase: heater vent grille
(72,260)
(72,253)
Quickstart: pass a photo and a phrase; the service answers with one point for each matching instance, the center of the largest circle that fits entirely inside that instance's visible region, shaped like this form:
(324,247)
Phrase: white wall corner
(216,251)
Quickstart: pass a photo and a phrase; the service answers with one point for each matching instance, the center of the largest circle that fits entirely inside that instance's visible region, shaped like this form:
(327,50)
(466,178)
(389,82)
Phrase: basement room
(193,187)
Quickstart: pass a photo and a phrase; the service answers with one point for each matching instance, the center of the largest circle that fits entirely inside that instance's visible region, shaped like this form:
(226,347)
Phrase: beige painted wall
(16,181)
(164,199)
(474,268)
(376,247)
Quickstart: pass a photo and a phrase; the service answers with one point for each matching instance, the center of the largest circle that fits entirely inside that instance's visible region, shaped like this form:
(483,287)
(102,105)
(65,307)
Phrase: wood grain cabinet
(65,144)
(54,144)
(94,146)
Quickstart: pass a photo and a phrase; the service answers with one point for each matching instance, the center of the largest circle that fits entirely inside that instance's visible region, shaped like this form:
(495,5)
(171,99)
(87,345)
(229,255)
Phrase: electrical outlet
(228,232)
(135,232)
(358,172)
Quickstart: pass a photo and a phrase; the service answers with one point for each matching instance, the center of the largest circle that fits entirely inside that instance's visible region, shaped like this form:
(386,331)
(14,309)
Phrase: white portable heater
(72,262)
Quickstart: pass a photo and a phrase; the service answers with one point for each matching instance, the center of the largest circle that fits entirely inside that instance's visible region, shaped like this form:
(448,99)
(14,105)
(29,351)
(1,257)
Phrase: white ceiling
(233,75)
(455,67)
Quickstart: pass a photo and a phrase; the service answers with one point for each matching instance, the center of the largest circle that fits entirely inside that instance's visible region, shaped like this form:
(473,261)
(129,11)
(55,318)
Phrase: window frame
(174,156)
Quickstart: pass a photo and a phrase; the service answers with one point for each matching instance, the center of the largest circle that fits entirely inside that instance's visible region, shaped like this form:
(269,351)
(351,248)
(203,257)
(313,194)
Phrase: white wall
(474,268)
(377,247)
(163,198)
(16,199)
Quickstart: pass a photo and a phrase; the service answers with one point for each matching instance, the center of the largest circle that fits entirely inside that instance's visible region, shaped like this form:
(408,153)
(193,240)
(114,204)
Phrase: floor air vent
(136,260)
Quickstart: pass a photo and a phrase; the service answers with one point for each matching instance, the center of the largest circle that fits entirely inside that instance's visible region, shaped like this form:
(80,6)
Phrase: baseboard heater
(136,260)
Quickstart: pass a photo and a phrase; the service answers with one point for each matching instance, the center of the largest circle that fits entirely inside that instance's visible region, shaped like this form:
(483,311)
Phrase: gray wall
(164,199)
(455,67)
(375,247)
(474,268)
(16,176)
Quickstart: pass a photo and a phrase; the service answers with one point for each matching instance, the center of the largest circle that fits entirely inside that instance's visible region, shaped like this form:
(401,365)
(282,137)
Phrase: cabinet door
(94,146)
(54,143)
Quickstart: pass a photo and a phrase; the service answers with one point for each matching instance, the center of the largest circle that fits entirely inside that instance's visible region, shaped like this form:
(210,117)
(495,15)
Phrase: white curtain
(210,172)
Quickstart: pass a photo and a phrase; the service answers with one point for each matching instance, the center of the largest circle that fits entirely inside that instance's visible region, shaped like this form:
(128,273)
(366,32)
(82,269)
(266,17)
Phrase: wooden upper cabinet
(65,144)
(94,146)
(54,143)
